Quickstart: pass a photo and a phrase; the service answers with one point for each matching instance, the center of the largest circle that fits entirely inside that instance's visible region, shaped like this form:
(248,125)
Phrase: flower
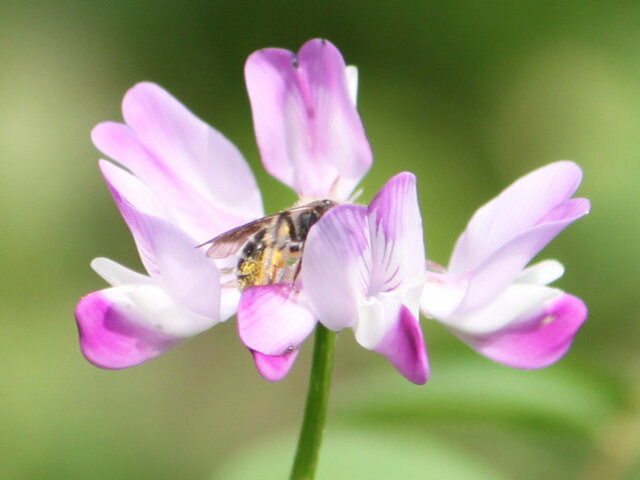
(487,298)
(364,269)
(183,183)
(187,182)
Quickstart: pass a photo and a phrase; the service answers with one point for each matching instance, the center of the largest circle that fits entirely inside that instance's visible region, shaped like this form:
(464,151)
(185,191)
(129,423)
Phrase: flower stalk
(315,412)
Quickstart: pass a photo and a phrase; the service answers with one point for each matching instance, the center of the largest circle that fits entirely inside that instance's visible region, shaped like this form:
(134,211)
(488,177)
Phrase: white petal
(115,274)
(375,319)
(542,273)
(352,82)
(514,303)
(441,296)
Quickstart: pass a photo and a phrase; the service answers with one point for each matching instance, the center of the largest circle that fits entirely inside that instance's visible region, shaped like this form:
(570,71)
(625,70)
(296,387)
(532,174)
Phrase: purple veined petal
(115,274)
(501,268)
(272,320)
(124,326)
(336,265)
(307,127)
(404,346)
(274,368)
(520,207)
(537,340)
(396,234)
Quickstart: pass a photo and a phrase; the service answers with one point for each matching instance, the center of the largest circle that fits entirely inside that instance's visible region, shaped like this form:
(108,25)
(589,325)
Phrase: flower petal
(307,127)
(168,253)
(537,339)
(134,200)
(274,368)
(199,174)
(336,264)
(501,268)
(405,348)
(441,295)
(542,273)
(271,319)
(524,204)
(514,303)
(124,326)
(352,82)
(395,225)
(115,274)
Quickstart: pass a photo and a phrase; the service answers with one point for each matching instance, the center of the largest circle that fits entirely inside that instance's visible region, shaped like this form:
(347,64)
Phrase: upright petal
(395,225)
(524,204)
(198,173)
(307,127)
(124,326)
(272,320)
(336,265)
(537,338)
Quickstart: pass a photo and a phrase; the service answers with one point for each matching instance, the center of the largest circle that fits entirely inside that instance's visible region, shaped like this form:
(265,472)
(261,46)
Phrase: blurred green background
(467,95)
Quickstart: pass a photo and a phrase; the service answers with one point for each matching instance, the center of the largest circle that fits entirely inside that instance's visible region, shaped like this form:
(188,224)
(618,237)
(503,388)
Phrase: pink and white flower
(180,183)
(488,298)
(364,269)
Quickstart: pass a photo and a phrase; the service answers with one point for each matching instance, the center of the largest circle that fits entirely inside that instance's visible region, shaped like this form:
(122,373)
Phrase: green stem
(315,412)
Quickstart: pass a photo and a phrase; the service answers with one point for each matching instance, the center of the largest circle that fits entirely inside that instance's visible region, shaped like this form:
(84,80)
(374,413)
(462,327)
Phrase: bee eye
(307,219)
(249,248)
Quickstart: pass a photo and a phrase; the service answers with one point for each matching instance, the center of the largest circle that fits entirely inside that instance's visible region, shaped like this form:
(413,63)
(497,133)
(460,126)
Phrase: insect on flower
(270,248)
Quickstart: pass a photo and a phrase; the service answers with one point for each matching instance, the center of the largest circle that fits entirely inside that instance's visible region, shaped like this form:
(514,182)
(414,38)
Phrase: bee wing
(230,242)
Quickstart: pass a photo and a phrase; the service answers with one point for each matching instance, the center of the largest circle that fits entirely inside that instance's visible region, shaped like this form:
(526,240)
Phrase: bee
(270,248)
